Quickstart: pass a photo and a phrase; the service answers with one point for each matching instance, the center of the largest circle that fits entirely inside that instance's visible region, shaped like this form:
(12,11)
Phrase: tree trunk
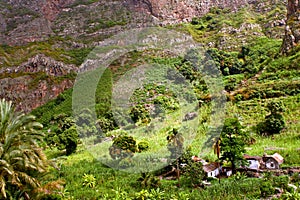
(292,29)
(178,171)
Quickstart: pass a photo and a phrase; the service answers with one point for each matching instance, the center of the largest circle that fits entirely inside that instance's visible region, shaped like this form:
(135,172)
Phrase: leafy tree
(63,134)
(194,173)
(232,143)
(139,114)
(274,122)
(21,158)
(86,124)
(69,139)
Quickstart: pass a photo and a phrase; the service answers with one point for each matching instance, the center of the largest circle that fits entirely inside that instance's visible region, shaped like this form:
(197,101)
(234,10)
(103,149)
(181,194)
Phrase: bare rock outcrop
(35,82)
(41,63)
(292,30)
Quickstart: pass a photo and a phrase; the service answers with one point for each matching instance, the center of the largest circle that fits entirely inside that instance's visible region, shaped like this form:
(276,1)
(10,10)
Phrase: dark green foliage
(266,189)
(123,146)
(295,178)
(233,143)
(227,62)
(63,134)
(62,104)
(258,54)
(274,122)
(86,124)
(106,124)
(152,100)
(79,55)
(140,114)
(52,197)
(193,173)
(104,94)
(148,180)
(281,181)
(167,103)
(275,107)
(70,139)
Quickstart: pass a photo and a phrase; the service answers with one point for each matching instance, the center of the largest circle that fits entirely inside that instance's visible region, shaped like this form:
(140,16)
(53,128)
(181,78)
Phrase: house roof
(248,157)
(275,156)
(197,159)
(210,167)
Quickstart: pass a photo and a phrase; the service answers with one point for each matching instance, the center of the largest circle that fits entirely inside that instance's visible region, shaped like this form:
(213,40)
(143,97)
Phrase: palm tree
(175,146)
(21,159)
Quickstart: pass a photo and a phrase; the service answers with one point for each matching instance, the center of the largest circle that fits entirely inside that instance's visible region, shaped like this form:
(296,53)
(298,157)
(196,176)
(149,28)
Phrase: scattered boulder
(190,116)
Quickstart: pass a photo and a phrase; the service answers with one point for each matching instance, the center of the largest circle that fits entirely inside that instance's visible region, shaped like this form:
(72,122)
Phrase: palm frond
(25,178)
(2,187)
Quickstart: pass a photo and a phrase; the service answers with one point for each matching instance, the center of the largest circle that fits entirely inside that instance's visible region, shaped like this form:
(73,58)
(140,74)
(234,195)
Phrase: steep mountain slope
(65,32)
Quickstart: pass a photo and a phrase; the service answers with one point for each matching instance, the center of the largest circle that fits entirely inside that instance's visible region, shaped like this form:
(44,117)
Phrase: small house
(227,171)
(212,169)
(272,161)
(254,161)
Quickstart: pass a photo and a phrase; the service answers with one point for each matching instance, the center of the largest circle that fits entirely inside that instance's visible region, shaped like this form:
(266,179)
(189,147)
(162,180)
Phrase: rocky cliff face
(35,82)
(24,21)
(292,30)
(172,11)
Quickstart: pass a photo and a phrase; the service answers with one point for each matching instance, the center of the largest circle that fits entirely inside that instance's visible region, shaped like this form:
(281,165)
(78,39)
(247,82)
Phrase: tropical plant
(175,146)
(89,180)
(293,195)
(21,158)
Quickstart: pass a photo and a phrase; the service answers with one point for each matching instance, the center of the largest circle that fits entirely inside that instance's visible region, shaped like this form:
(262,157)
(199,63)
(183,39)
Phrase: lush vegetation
(262,116)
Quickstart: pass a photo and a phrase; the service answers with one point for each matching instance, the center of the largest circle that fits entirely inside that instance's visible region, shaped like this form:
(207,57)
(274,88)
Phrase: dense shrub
(123,146)
(148,180)
(274,122)
(266,189)
(281,181)
(140,114)
(143,146)
(86,124)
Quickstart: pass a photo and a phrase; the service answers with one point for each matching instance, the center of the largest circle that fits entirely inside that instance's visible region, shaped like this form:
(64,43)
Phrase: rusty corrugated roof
(248,157)
(210,167)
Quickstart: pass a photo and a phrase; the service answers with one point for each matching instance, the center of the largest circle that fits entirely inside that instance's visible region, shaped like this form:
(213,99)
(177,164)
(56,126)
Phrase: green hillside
(123,154)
